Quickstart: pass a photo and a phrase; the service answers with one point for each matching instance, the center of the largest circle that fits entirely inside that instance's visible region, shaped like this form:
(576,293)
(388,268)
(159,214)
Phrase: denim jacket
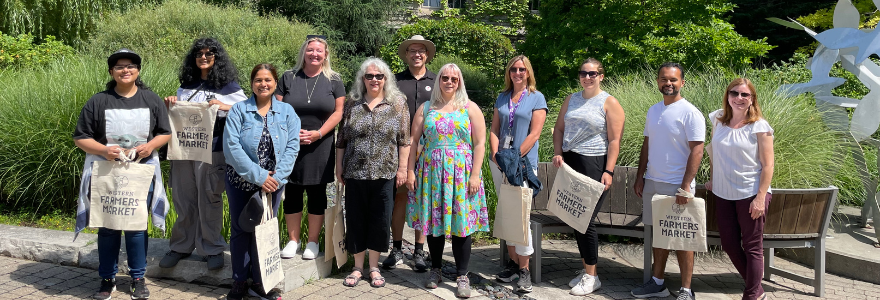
(518,169)
(244,127)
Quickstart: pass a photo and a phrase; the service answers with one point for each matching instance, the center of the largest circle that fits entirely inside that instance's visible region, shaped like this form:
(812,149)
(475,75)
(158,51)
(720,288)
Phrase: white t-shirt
(669,129)
(736,167)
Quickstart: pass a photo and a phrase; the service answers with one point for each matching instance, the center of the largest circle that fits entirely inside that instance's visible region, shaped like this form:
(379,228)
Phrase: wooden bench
(797,218)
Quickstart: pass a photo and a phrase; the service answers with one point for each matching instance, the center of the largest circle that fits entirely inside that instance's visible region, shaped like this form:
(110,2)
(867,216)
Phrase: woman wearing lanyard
(517,121)
(207,75)
(587,138)
(316,94)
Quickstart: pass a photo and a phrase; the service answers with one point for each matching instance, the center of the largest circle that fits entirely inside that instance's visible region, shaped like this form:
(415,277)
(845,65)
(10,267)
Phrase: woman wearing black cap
(126,115)
(207,75)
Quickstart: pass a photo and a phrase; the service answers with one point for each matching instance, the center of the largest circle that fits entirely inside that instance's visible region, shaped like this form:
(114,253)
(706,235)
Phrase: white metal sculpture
(851,46)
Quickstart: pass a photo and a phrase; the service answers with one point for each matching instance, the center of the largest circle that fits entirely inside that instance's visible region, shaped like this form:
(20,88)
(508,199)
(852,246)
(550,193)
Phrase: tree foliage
(627,34)
(750,19)
(68,20)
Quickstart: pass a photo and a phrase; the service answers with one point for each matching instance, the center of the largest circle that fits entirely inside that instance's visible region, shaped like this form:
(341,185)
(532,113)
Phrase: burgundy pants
(742,239)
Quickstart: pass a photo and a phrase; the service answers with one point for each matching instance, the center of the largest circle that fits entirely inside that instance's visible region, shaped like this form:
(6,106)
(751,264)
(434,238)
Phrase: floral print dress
(440,205)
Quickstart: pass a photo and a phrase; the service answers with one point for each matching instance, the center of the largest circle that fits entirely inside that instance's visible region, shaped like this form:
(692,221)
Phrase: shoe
(524,284)
(434,278)
(577,278)
(394,258)
(290,250)
(587,285)
(239,289)
(463,287)
(215,262)
(172,258)
(419,261)
(650,289)
(510,273)
(139,289)
(258,290)
(684,295)
(108,286)
(311,251)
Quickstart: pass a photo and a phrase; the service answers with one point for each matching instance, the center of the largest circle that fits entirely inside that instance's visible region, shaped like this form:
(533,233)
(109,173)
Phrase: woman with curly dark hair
(207,75)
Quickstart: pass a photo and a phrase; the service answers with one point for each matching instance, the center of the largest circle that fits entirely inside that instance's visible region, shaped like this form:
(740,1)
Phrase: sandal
(351,276)
(378,278)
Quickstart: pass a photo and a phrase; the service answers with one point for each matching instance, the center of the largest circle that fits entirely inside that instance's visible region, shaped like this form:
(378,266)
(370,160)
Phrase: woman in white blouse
(741,171)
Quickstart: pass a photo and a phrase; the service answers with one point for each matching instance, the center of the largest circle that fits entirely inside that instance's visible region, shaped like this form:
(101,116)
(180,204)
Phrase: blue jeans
(136,243)
(242,243)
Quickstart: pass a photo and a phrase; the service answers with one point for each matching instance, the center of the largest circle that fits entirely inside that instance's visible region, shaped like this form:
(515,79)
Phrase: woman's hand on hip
(270,185)
(756,209)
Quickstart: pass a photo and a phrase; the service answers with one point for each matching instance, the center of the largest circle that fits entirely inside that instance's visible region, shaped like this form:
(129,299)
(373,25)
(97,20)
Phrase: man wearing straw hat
(416,83)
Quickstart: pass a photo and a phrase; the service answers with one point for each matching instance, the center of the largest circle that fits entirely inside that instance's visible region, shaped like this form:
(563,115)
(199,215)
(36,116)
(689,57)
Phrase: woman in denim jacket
(261,143)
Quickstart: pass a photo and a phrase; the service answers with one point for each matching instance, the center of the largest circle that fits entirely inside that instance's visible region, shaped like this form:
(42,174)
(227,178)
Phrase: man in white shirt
(671,153)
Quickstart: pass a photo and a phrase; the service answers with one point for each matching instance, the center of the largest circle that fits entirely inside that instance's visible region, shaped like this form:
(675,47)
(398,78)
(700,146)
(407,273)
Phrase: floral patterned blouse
(266,153)
(371,137)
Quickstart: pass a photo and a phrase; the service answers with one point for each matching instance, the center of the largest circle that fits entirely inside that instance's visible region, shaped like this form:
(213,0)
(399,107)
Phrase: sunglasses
(734,94)
(517,70)
(204,54)
(445,78)
(374,76)
(126,67)
(591,74)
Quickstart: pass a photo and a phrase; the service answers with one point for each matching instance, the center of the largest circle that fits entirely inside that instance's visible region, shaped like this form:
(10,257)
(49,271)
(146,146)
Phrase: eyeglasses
(591,74)
(126,67)
(517,70)
(734,94)
(419,52)
(372,76)
(445,78)
(208,54)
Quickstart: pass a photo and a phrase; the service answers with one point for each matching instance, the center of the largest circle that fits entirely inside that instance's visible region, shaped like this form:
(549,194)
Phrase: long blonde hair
(460,98)
(325,66)
(752,115)
(530,82)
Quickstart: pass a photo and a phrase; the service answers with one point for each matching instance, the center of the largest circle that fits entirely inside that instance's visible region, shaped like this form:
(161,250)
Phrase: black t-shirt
(315,110)
(417,91)
(111,119)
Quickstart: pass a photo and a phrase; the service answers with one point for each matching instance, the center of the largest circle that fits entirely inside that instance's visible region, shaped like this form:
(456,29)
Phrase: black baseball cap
(252,214)
(123,53)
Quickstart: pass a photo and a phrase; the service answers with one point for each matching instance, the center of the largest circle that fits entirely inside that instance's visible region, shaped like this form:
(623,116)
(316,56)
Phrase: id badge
(508,142)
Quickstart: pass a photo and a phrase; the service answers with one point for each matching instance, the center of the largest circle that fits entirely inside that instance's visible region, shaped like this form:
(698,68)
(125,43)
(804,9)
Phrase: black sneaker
(394,258)
(510,272)
(172,258)
(108,286)
(139,289)
(259,291)
(419,261)
(215,262)
(524,284)
(239,289)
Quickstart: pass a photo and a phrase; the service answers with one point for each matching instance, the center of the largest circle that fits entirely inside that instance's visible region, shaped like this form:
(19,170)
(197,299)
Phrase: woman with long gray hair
(446,197)
(371,151)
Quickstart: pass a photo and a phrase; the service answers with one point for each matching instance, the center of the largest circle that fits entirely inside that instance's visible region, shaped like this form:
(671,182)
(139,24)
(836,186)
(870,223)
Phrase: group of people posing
(409,149)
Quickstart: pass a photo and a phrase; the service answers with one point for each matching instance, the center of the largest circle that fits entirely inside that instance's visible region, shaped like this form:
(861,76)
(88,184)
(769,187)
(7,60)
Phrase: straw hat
(417,39)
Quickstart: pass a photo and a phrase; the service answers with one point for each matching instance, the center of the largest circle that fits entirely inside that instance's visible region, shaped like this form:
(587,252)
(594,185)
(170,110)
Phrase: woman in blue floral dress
(446,192)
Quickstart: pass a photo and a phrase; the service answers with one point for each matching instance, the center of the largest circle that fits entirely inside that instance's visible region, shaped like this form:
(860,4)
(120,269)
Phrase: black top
(266,156)
(417,91)
(111,119)
(316,161)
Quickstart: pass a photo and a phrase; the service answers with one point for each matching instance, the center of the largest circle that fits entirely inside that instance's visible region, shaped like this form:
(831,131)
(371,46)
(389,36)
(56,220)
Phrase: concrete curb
(58,247)
(843,264)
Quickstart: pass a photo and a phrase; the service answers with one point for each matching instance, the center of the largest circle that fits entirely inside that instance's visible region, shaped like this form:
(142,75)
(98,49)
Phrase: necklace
(306,83)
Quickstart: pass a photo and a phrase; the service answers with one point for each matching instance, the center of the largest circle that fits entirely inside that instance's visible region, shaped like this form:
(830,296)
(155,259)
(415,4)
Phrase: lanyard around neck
(513,108)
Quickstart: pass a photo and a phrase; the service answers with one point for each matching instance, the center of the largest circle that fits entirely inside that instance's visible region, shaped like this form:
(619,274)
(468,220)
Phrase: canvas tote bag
(119,191)
(513,212)
(268,247)
(573,197)
(192,131)
(334,230)
(679,227)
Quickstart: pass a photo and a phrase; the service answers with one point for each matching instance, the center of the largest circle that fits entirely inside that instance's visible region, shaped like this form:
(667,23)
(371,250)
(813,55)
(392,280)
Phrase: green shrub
(70,21)
(166,32)
(806,153)
(480,88)
(479,46)
(22,51)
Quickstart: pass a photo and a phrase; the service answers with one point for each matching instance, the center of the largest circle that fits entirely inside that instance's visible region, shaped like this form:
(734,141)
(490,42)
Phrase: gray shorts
(656,187)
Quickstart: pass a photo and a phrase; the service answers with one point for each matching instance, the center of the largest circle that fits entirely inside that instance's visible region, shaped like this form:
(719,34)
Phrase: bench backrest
(792,213)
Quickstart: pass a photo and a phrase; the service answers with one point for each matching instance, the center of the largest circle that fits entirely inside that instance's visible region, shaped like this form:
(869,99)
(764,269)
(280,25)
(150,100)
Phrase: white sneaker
(587,285)
(289,251)
(577,278)
(311,251)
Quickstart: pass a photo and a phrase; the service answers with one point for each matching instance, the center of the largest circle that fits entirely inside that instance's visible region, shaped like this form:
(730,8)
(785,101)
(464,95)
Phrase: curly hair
(222,73)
